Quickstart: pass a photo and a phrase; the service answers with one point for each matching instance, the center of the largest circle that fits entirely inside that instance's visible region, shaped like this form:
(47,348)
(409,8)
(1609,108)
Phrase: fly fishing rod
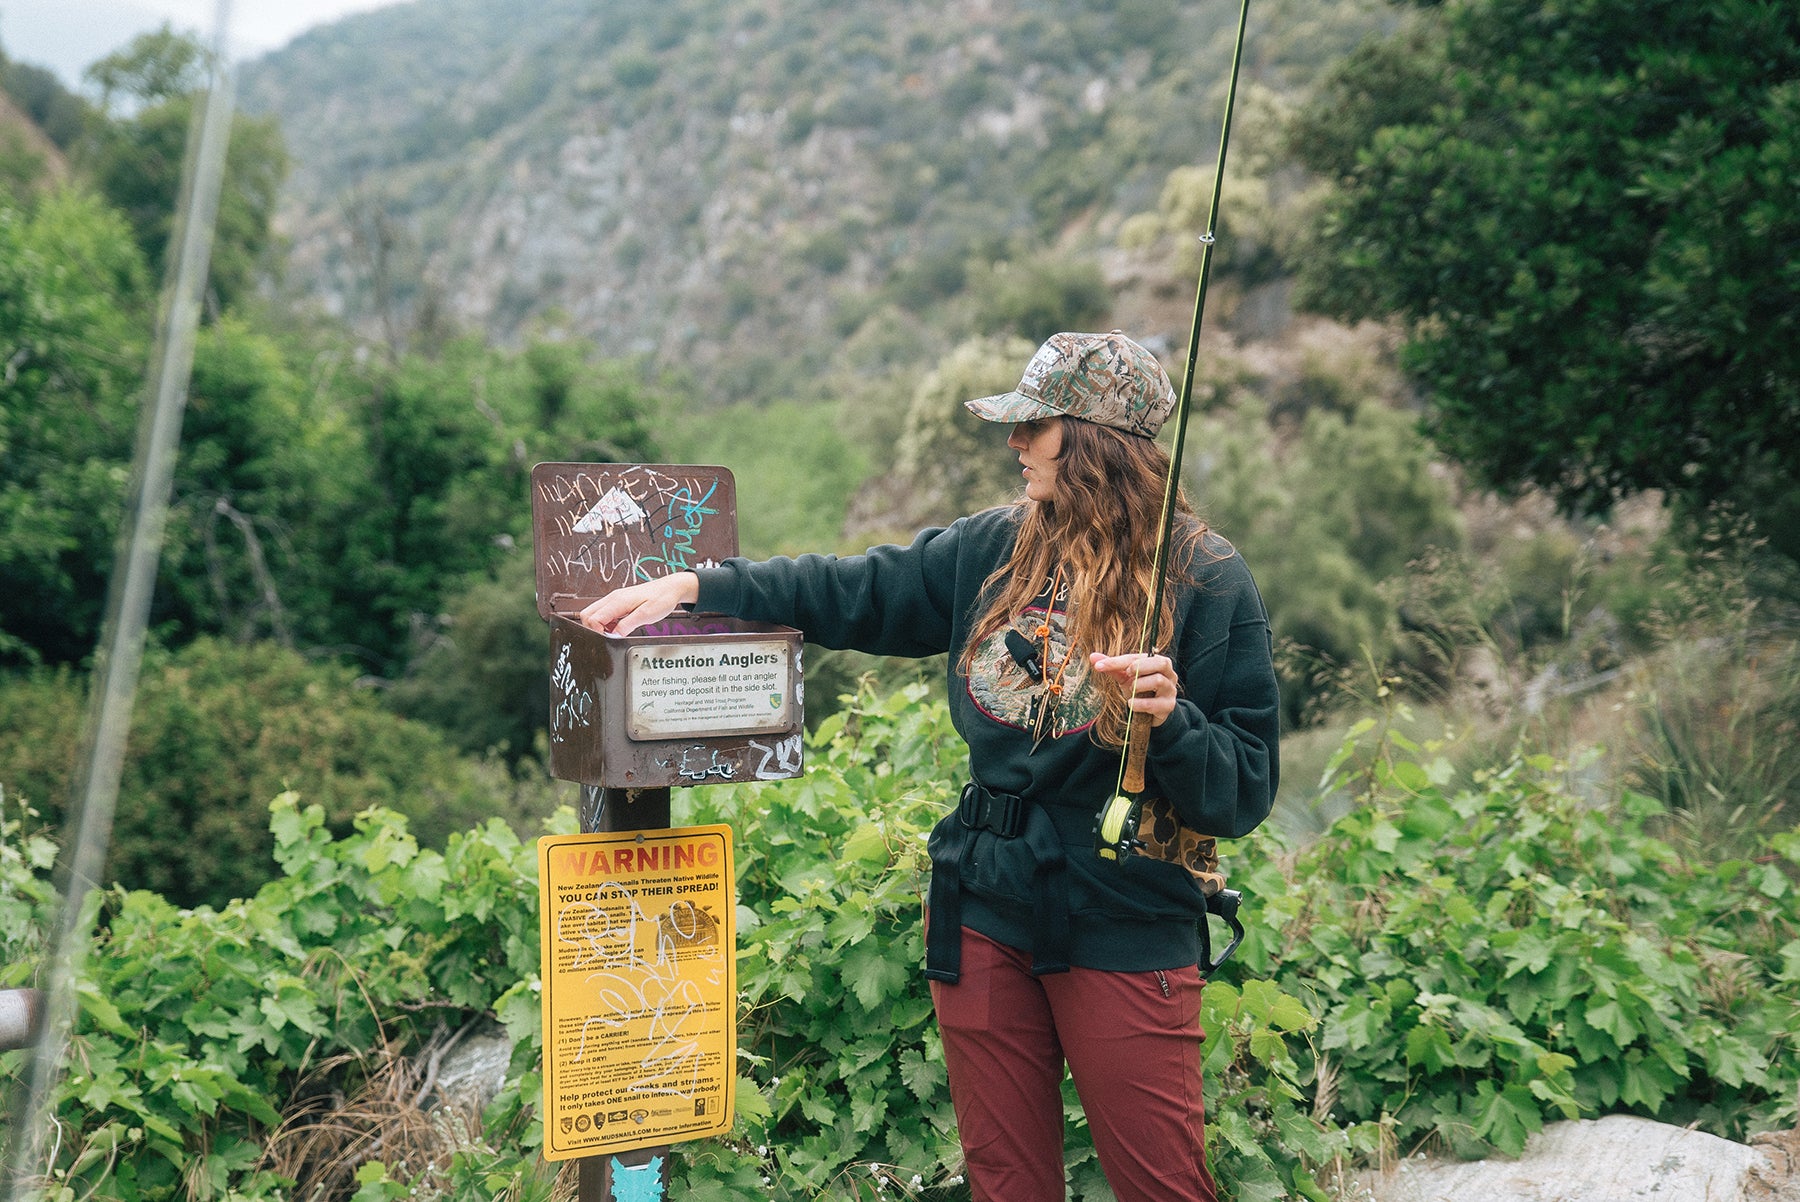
(1116,832)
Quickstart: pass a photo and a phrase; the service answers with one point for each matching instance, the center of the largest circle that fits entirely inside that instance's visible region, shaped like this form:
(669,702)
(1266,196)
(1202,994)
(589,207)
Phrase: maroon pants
(1132,1043)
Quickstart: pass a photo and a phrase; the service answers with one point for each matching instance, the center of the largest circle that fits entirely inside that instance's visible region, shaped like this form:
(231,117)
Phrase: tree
(328,500)
(950,462)
(1582,213)
(137,159)
(1324,519)
(151,68)
(59,113)
(74,305)
(484,681)
(1036,297)
(439,492)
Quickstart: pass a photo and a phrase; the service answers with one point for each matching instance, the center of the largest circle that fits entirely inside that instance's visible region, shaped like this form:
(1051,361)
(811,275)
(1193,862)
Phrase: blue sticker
(640,1184)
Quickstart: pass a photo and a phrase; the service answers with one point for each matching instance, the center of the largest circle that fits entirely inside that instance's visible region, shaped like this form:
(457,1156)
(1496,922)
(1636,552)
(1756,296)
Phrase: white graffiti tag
(785,754)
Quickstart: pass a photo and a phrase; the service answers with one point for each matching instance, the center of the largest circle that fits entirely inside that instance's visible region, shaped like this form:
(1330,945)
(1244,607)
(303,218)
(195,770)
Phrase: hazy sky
(67,35)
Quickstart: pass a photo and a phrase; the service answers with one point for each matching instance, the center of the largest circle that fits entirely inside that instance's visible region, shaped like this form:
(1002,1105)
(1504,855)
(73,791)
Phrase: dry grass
(393,1114)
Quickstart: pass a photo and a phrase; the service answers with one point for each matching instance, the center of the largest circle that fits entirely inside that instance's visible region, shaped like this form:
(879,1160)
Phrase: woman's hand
(1150,678)
(625,610)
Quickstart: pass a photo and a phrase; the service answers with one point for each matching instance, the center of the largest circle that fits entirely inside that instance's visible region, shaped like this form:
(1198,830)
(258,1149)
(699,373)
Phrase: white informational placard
(694,689)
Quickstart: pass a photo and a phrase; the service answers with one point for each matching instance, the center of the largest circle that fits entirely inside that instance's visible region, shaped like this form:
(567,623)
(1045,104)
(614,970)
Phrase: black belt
(1004,814)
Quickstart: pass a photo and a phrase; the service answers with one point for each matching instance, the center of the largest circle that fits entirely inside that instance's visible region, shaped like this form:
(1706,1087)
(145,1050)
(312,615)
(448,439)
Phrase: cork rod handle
(1137,749)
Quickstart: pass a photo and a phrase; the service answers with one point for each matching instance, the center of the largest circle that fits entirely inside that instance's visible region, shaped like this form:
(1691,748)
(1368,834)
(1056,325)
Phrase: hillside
(745,191)
(20,135)
(21,139)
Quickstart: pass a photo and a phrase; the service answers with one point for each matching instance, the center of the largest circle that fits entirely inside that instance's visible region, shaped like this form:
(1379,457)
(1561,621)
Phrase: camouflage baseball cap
(1106,379)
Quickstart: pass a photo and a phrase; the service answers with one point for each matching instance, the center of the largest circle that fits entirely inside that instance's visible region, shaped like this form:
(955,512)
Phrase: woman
(1039,950)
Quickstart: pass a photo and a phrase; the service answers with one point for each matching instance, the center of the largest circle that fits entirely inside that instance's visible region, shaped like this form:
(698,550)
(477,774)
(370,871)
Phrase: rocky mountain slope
(742,190)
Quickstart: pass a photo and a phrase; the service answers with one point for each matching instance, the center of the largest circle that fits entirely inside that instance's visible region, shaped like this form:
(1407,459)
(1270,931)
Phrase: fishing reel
(1116,830)
(1116,836)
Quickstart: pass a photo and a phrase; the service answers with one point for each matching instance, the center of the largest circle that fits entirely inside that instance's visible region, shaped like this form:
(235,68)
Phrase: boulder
(469,1068)
(1619,1158)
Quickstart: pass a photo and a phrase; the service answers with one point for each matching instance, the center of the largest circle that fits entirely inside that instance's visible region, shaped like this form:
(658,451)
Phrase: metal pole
(128,594)
(611,810)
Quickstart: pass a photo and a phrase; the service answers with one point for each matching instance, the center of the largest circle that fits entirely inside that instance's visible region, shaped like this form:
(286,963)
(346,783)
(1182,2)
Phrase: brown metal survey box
(696,699)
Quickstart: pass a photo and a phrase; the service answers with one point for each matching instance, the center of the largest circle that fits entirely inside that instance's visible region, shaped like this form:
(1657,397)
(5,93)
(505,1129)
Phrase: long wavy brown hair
(1101,529)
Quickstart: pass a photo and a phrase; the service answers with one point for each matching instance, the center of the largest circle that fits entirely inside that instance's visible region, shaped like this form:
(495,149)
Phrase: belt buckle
(968,807)
(982,809)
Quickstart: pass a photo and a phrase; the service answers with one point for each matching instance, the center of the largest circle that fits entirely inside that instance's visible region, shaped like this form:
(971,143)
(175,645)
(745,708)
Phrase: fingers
(1134,666)
(624,610)
(1151,678)
(603,615)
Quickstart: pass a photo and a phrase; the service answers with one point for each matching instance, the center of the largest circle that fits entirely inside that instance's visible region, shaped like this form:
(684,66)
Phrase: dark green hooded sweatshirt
(1215,757)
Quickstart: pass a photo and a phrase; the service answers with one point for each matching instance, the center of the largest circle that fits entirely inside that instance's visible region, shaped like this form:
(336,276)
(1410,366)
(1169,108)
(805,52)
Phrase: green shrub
(1488,957)
(781,510)
(1324,520)
(1715,740)
(946,462)
(27,856)
(206,1036)
(218,729)
(198,1027)
(828,250)
(1454,965)
(635,70)
(1717,705)
(1036,297)
(483,679)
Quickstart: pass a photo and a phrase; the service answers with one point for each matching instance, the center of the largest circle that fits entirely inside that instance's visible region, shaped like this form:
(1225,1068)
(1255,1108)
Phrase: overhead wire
(119,657)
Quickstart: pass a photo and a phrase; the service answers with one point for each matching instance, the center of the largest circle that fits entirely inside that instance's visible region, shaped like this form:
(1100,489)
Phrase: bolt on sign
(638,934)
(695,699)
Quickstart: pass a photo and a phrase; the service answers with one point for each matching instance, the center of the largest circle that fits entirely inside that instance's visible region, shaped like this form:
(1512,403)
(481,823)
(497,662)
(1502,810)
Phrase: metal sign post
(639,962)
(598,1177)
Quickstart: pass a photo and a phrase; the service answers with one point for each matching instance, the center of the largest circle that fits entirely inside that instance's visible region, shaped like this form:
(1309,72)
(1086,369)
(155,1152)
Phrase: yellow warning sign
(639,938)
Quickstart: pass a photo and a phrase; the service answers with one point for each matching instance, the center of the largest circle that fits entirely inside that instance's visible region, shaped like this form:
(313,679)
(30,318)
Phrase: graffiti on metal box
(571,702)
(619,525)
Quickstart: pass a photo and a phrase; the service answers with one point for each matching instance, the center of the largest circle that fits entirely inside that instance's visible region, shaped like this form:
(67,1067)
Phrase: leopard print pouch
(1165,838)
